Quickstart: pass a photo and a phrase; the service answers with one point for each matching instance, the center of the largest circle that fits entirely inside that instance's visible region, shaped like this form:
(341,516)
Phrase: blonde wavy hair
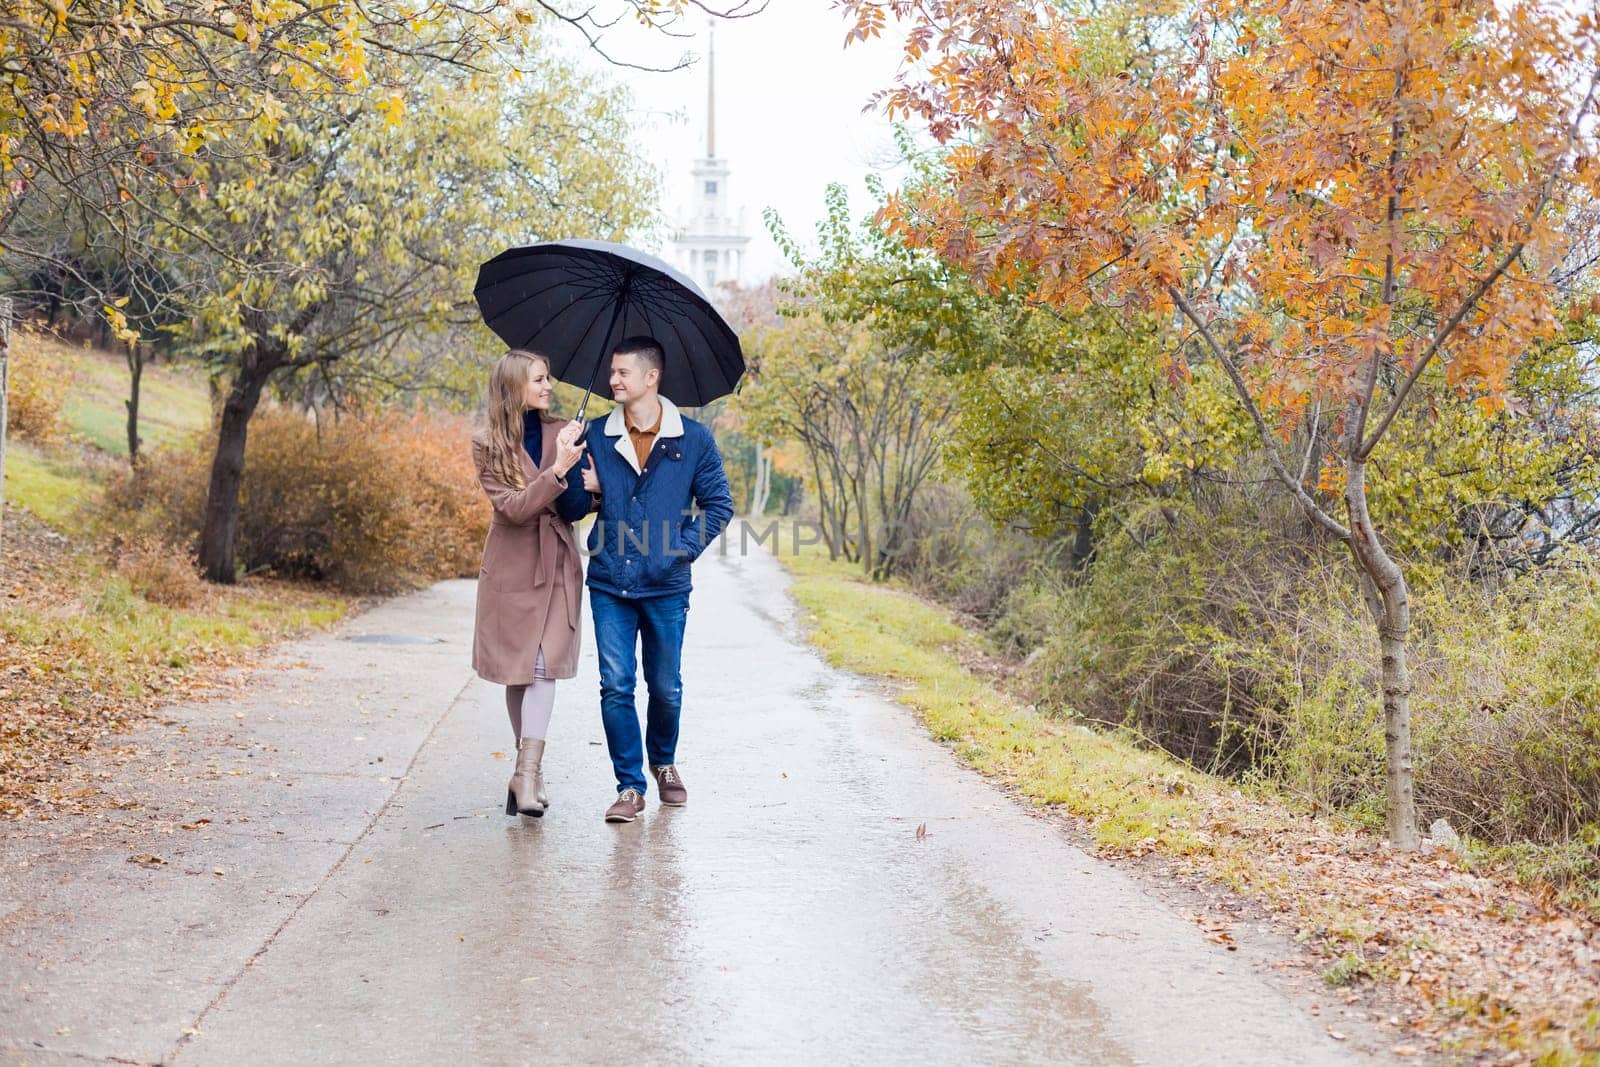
(501,437)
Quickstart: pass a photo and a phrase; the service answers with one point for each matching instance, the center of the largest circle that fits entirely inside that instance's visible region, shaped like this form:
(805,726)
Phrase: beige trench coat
(531,583)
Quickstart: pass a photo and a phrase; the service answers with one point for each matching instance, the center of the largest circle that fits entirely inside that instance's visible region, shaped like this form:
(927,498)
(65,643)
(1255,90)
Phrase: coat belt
(555,552)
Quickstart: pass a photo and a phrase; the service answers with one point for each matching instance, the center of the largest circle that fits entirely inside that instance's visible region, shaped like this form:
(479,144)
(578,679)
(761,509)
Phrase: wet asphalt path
(788,914)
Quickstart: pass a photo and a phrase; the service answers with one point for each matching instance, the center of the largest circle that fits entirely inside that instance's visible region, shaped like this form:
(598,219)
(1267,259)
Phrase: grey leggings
(530,706)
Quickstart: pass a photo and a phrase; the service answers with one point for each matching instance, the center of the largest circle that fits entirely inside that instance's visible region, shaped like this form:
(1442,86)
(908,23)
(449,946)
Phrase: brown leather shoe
(628,807)
(670,785)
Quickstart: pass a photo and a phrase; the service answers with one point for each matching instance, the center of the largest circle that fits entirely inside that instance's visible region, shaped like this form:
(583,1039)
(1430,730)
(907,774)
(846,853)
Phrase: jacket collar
(671,420)
(616,426)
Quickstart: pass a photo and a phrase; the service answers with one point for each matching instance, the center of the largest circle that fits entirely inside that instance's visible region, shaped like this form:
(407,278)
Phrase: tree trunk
(763,487)
(863,524)
(1389,599)
(5,390)
(221,521)
(1083,538)
(135,373)
(831,522)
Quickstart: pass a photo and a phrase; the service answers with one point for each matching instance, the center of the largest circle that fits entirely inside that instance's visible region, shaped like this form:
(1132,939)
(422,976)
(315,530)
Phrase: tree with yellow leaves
(106,105)
(341,244)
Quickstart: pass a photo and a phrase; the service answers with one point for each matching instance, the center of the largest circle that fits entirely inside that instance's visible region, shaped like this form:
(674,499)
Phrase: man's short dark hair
(647,349)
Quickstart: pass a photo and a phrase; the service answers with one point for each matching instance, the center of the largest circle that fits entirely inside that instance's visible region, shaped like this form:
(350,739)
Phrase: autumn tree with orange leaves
(1334,199)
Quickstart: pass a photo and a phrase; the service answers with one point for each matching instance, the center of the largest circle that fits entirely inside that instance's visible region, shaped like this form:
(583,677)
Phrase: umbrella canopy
(572,301)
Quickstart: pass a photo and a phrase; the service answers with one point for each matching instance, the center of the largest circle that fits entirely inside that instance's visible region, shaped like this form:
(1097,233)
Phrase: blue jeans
(655,623)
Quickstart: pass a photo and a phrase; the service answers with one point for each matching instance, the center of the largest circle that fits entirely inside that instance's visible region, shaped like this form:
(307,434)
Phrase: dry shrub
(452,516)
(159,572)
(162,497)
(36,391)
(376,503)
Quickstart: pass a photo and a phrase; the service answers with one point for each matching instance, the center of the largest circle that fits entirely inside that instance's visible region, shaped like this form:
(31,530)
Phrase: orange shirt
(643,438)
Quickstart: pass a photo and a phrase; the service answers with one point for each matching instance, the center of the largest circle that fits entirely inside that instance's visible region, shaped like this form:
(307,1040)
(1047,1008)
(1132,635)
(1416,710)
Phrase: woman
(531,582)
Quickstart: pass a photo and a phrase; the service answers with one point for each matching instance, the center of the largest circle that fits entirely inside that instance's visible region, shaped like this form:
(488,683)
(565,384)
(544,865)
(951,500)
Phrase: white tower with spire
(710,246)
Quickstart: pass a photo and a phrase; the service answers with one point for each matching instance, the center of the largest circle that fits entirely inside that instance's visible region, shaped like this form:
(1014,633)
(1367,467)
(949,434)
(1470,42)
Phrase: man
(640,549)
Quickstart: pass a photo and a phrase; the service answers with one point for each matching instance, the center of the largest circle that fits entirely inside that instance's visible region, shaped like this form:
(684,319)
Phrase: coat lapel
(556,549)
(548,433)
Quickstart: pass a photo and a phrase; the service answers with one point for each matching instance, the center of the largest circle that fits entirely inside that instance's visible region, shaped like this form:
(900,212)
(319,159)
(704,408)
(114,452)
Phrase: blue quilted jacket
(654,520)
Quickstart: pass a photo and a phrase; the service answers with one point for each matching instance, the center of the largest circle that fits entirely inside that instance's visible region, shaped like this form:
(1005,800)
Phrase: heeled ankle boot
(538,778)
(524,795)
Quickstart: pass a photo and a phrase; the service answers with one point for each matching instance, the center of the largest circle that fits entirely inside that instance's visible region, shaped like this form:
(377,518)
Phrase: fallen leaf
(148,859)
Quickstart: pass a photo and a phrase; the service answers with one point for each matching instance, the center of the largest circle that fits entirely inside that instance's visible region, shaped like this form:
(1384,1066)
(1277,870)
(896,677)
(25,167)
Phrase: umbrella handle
(605,342)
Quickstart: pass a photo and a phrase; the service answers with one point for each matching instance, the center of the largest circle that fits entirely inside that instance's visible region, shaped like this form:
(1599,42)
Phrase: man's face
(630,377)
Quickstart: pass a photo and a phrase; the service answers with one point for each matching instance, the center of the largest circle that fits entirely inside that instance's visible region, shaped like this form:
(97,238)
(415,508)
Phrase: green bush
(956,556)
(1247,650)
(1508,707)
(1031,612)
(1164,633)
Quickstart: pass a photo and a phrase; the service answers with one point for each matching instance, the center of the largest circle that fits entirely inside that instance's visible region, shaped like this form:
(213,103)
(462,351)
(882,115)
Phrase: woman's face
(540,387)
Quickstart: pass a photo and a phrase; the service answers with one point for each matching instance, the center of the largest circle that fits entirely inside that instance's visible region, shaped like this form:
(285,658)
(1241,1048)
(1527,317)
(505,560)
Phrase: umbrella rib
(525,271)
(674,297)
(716,353)
(561,279)
(579,270)
(599,273)
(711,350)
(509,308)
(600,310)
(597,292)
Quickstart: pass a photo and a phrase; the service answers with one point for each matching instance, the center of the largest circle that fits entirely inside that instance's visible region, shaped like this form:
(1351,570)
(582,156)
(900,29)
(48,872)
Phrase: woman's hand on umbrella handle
(591,478)
(570,432)
(568,452)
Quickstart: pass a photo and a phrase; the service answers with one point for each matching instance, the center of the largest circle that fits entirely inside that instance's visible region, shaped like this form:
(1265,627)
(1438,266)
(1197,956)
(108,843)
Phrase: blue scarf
(532,434)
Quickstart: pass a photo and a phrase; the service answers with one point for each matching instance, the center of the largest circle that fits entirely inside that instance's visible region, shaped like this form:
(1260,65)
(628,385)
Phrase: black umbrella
(572,301)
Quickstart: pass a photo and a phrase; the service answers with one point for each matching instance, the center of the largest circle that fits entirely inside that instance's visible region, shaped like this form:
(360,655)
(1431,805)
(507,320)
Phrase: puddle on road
(393,639)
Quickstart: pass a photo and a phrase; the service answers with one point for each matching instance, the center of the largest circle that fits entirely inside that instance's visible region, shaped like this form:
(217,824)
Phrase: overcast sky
(789,115)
